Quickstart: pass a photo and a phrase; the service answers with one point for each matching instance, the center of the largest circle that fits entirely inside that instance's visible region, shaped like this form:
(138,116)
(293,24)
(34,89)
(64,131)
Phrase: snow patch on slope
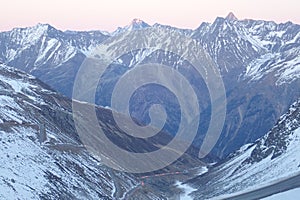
(186,190)
(286,69)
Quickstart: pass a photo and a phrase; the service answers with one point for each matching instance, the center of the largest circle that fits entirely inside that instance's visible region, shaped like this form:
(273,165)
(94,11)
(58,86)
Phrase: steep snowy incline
(269,159)
(41,156)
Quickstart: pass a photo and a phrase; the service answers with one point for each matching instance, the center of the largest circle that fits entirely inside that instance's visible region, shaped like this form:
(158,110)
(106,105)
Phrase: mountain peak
(138,24)
(135,24)
(43,26)
(137,21)
(231,17)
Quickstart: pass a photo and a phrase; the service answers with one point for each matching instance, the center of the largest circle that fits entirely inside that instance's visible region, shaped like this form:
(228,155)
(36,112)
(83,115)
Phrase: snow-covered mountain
(253,48)
(258,60)
(52,55)
(270,159)
(259,63)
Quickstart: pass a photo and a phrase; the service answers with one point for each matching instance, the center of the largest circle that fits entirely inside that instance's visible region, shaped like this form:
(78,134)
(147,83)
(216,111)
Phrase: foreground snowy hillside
(40,154)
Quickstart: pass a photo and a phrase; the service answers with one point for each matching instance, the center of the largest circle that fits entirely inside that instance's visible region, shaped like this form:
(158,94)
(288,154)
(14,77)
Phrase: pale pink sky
(109,14)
